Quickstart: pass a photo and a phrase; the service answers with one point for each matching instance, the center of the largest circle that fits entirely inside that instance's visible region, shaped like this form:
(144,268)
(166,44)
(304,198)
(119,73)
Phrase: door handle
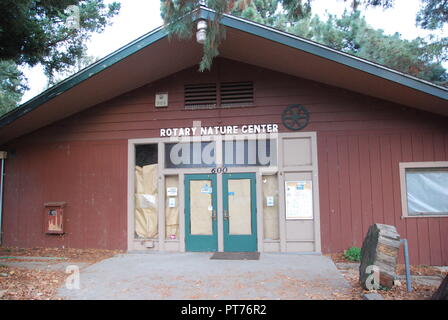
(214,214)
(226,215)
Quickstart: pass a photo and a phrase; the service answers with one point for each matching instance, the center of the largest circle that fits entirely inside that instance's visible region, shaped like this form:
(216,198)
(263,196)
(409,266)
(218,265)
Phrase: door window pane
(240,207)
(201,207)
(427,191)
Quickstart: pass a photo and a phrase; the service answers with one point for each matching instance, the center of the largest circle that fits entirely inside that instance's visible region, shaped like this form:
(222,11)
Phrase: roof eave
(323,51)
(239,24)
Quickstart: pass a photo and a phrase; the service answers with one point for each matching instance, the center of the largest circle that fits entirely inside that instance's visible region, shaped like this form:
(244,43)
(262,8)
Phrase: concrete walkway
(195,276)
(49,264)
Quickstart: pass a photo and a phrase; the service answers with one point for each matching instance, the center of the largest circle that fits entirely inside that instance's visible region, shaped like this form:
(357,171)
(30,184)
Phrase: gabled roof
(154,56)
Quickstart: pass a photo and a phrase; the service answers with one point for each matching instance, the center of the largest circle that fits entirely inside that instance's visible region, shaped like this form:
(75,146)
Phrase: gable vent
(200,96)
(237,93)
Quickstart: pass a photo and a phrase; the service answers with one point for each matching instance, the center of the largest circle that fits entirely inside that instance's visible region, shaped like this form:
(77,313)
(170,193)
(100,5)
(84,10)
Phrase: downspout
(2,182)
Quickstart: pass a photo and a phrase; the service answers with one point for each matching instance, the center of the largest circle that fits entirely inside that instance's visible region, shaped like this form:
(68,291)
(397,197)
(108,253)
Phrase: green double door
(239,224)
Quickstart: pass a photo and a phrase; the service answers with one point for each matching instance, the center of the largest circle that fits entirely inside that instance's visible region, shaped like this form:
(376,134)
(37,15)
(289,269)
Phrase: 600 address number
(219,170)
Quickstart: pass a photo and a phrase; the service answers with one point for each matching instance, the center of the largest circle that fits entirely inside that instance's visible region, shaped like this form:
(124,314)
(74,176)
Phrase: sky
(138,17)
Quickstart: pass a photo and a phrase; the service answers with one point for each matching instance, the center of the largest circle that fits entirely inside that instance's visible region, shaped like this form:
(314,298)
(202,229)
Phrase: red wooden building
(285,145)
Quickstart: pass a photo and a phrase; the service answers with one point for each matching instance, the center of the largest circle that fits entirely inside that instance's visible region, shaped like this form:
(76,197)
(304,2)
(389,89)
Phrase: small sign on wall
(161,100)
(299,199)
(171,202)
(171,191)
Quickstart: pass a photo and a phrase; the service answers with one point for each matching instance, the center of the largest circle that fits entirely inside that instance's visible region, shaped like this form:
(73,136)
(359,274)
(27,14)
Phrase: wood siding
(361,141)
(360,185)
(90,177)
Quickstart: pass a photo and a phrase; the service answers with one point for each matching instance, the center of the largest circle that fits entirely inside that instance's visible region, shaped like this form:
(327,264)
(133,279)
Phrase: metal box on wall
(54,217)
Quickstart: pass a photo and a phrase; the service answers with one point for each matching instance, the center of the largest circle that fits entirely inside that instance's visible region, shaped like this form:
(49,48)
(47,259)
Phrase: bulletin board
(299,199)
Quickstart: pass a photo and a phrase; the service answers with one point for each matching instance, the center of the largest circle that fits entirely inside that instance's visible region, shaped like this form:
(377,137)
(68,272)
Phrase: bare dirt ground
(419,291)
(36,284)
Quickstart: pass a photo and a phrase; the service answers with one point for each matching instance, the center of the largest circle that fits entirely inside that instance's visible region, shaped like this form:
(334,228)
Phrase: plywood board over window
(146,226)
(201,207)
(239,207)
(270,207)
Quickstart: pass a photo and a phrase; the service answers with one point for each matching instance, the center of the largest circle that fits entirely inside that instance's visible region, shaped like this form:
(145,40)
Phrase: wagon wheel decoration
(295,117)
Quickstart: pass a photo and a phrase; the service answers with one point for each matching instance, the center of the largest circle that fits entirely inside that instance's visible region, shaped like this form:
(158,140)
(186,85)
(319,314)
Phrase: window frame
(403,186)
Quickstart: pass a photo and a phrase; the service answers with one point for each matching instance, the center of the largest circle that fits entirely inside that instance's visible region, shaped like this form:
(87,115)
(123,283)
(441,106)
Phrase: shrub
(353,254)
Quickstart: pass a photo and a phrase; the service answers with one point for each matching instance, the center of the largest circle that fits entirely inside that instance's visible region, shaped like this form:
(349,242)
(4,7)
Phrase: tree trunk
(442,292)
(379,257)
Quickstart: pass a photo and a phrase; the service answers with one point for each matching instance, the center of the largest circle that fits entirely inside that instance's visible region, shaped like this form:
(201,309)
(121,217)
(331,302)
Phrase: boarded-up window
(201,208)
(146,171)
(172,207)
(270,207)
(240,207)
(146,202)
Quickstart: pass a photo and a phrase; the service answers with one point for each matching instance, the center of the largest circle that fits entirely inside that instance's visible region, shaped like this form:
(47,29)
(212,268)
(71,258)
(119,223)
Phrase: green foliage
(12,86)
(33,32)
(353,254)
(36,32)
(178,21)
(433,14)
(349,33)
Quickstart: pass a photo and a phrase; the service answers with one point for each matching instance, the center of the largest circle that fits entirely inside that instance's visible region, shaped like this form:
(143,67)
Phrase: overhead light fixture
(201,34)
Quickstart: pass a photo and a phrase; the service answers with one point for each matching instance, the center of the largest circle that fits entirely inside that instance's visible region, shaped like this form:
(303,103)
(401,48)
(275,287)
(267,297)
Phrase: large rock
(379,254)
(442,292)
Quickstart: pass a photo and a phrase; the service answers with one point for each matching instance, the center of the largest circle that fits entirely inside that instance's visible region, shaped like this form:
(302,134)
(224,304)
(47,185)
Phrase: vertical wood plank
(439,148)
(376,182)
(443,224)
(386,176)
(366,186)
(396,158)
(435,240)
(344,196)
(424,251)
(411,223)
(322,157)
(355,191)
(419,144)
(334,195)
